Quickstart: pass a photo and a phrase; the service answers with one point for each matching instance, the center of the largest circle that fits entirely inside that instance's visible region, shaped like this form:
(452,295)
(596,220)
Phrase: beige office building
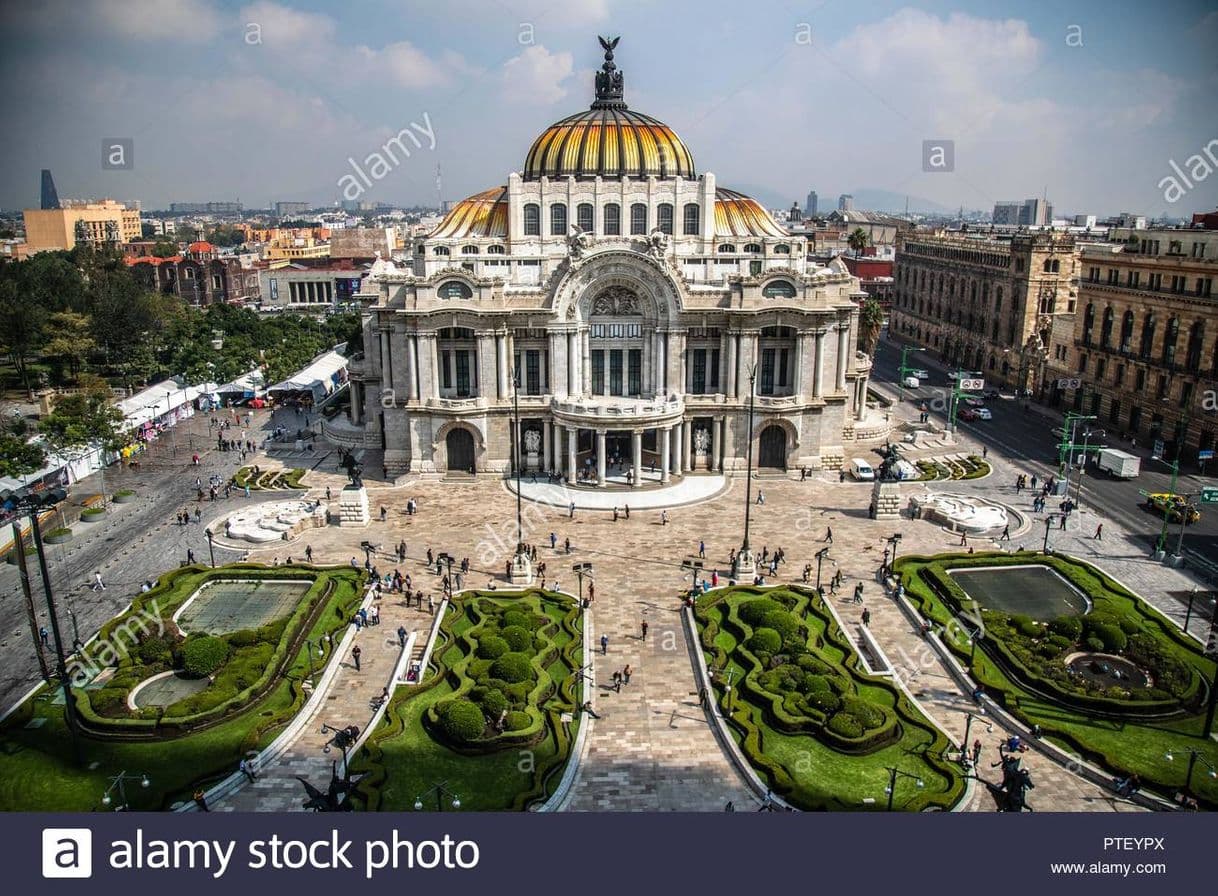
(105,221)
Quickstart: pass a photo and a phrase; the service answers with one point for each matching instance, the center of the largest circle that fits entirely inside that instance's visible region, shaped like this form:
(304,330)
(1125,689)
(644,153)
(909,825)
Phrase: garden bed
(820,731)
(504,684)
(1127,725)
(269,480)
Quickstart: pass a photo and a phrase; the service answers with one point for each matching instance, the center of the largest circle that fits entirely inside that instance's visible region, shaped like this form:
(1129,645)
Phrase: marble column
(412,369)
(600,457)
(731,365)
(657,363)
(586,353)
(353,411)
(572,441)
(501,385)
(687,432)
(665,452)
(818,368)
(636,446)
(801,355)
(645,386)
(574,374)
(843,355)
(547,447)
(430,347)
(676,448)
(721,442)
(386,362)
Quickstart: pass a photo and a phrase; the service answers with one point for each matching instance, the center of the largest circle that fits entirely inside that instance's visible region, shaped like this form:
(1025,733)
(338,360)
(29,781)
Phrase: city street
(1029,436)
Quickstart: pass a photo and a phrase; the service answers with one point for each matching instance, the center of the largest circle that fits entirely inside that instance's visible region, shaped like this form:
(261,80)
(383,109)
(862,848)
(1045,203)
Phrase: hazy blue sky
(267,100)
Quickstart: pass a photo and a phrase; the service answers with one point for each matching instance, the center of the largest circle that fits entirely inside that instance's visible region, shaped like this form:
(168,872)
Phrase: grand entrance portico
(609,440)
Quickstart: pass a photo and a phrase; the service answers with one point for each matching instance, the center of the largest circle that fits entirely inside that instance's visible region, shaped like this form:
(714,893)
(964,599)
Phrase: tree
(19,457)
(148,231)
(22,327)
(871,321)
(165,249)
(226,235)
(85,422)
(858,240)
(71,340)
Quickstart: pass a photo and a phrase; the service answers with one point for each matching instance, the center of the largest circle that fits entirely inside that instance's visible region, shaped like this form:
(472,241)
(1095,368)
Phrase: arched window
(1088,323)
(558,219)
(454,289)
(778,289)
(441,250)
(532,219)
(638,219)
(495,250)
(693,219)
(664,217)
(612,221)
(1148,334)
(1169,340)
(469,250)
(782,249)
(753,248)
(1127,331)
(583,217)
(726,247)
(1106,328)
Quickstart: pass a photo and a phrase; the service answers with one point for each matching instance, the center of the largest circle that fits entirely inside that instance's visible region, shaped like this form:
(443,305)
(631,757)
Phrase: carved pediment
(616,301)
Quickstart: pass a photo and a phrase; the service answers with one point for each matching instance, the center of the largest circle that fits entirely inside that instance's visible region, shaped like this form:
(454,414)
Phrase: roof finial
(608,79)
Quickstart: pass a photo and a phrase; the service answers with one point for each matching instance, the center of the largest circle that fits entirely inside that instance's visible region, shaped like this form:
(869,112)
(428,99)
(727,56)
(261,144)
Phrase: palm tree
(857,240)
(871,321)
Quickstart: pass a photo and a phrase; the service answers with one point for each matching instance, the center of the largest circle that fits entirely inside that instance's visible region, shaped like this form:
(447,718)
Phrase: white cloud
(186,20)
(537,76)
(281,28)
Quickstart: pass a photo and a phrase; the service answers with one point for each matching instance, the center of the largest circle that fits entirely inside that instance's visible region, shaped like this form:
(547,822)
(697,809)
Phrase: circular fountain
(275,521)
(960,513)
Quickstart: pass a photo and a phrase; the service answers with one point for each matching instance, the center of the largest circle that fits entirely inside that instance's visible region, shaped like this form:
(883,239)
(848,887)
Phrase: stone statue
(657,243)
(578,242)
(702,440)
(354,470)
(532,441)
(336,799)
(1016,782)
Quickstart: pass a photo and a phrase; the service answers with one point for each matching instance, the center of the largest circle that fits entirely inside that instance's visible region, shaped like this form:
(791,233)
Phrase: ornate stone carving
(532,441)
(616,301)
(578,242)
(657,243)
(702,441)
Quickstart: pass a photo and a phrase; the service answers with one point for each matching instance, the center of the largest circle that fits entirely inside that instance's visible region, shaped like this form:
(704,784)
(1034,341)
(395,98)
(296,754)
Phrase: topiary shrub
(845,725)
(493,702)
(518,638)
(513,668)
(516,721)
(203,655)
(753,611)
(785,623)
(765,640)
(461,720)
(1068,627)
(868,714)
(492,647)
(1025,625)
(518,618)
(1095,644)
(1110,635)
(154,650)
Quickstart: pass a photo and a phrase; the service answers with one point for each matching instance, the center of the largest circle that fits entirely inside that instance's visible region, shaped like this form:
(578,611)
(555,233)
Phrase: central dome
(608,140)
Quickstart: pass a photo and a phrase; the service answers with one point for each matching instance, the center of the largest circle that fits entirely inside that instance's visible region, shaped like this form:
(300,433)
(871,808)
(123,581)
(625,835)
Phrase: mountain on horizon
(869,199)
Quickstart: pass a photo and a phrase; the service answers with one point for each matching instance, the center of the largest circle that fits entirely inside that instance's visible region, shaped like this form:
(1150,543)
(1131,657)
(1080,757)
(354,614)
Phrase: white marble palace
(633,301)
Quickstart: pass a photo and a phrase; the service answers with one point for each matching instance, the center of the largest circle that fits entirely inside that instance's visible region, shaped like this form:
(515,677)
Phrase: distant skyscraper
(50,198)
(810,205)
(845,203)
(1029,213)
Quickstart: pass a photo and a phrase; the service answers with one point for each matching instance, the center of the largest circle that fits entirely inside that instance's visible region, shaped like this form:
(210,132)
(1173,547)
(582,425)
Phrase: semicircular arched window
(455,289)
(782,249)
(726,247)
(754,248)
(778,289)
(441,250)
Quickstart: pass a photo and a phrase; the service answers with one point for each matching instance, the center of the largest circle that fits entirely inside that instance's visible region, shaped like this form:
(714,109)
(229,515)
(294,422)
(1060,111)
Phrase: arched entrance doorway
(773,447)
(460,445)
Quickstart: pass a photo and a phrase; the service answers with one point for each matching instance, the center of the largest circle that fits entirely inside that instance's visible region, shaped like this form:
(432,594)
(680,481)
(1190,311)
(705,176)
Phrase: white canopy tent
(325,374)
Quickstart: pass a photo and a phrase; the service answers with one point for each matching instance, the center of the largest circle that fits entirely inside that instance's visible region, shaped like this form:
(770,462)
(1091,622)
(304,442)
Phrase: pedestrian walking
(617,682)
(985,451)
(567,545)
(644,628)
(829,535)
(866,617)
(200,799)
(309,553)
(355,652)
(760,496)
(1099,532)
(626,674)
(190,557)
(615,514)
(702,549)
(1006,533)
(589,710)
(976,752)
(43,634)
(98,584)
(963,539)
(247,769)
(401,636)
(663,517)
(571,510)
(384,514)
(1063,526)
(604,644)
(553,541)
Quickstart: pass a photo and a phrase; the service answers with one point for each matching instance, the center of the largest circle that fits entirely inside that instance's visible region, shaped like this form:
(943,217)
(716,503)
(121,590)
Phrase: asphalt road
(1030,436)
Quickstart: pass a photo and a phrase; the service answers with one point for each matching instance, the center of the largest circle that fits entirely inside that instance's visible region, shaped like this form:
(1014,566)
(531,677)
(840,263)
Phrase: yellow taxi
(1174,507)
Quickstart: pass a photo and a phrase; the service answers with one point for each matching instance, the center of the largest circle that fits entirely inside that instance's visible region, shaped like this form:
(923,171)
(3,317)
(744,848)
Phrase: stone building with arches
(628,299)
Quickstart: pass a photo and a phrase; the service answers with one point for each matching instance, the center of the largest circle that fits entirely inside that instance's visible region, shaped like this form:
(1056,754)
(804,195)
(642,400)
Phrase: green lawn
(405,759)
(786,740)
(1125,742)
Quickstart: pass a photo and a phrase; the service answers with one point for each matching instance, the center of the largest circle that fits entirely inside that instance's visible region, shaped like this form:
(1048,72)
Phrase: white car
(911,382)
(984,414)
(920,374)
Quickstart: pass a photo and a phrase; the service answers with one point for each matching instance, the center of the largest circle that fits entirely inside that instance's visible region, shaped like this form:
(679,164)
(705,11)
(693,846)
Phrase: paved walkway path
(688,490)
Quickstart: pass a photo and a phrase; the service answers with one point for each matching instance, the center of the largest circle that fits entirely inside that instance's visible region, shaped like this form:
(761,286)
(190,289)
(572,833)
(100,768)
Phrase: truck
(1119,464)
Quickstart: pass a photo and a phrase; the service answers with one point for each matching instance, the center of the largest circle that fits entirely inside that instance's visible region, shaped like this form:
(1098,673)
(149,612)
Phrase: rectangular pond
(222,606)
(1033,590)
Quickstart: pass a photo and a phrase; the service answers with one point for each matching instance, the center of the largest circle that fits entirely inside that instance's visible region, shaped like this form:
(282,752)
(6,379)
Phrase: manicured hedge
(203,655)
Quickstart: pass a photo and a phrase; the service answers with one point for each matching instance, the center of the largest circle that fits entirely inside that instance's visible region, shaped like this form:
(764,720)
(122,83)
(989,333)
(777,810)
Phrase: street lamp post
(820,558)
(694,566)
(904,369)
(893,541)
(744,560)
(522,567)
(211,548)
(968,726)
(119,782)
(440,790)
(76,642)
(581,570)
(1188,614)
(891,790)
(1048,525)
(1193,756)
(343,738)
(1082,470)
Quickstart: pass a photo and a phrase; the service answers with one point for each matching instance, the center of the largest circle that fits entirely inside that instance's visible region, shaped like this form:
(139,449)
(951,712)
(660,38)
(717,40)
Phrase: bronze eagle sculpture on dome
(609,44)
